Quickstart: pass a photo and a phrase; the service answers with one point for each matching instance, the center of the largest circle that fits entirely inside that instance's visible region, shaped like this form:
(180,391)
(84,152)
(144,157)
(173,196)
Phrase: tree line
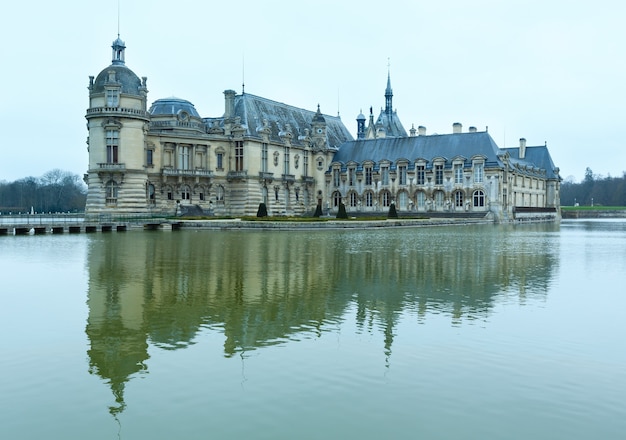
(594,190)
(55,191)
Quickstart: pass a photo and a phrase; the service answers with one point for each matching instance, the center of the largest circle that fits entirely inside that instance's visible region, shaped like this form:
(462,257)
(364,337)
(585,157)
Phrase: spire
(118,47)
(388,93)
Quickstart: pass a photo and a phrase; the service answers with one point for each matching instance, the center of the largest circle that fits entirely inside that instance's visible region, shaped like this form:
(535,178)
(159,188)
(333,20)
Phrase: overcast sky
(547,70)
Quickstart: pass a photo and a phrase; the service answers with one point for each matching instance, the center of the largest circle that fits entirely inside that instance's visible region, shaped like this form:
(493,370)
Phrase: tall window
(286,160)
(439,174)
(439,199)
(111,192)
(336,199)
(478,172)
(149,157)
(368,175)
(264,157)
(238,155)
(421,199)
(402,199)
(458,173)
(220,161)
(185,193)
(369,200)
(336,177)
(386,198)
(112,145)
(183,157)
(351,176)
(305,165)
(402,175)
(458,199)
(113,98)
(421,171)
(479,198)
(354,199)
(384,175)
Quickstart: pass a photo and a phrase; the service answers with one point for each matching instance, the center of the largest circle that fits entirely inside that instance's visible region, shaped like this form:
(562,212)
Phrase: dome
(131,84)
(173,106)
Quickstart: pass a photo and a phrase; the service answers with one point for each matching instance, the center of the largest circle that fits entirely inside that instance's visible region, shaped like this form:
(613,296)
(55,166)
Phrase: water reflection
(265,288)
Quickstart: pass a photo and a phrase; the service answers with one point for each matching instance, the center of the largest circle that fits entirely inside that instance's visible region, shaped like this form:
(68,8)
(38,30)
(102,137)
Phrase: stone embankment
(593,213)
(328,224)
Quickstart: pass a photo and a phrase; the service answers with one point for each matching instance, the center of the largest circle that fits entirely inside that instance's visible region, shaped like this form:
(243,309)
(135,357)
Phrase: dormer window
(113,97)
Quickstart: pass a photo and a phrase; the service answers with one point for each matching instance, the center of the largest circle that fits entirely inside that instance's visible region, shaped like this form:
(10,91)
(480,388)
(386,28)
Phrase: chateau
(169,159)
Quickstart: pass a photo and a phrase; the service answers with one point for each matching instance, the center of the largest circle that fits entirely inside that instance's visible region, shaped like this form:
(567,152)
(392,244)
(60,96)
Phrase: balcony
(187,173)
(289,178)
(117,111)
(308,180)
(237,175)
(111,166)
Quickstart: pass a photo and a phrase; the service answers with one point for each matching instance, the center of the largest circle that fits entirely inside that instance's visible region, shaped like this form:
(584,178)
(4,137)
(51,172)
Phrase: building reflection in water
(264,288)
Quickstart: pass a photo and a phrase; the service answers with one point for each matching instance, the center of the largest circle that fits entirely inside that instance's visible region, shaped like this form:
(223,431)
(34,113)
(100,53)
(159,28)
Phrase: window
(386,198)
(354,200)
(185,193)
(150,193)
(219,193)
(479,198)
(220,161)
(369,200)
(286,160)
(336,199)
(458,173)
(170,193)
(402,175)
(368,175)
(238,155)
(351,176)
(458,199)
(421,199)
(439,174)
(336,177)
(402,199)
(478,172)
(183,157)
(149,158)
(439,199)
(111,189)
(263,157)
(384,175)
(113,98)
(421,171)
(112,145)
(305,163)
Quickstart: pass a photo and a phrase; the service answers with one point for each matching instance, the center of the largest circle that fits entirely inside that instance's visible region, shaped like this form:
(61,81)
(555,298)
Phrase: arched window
(458,199)
(354,199)
(336,199)
(386,198)
(402,199)
(185,193)
(111,189)
(479,198)
(439,199)
(421,200)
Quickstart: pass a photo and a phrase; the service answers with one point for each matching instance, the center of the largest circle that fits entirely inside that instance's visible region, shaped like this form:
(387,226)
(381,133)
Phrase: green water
(437,333)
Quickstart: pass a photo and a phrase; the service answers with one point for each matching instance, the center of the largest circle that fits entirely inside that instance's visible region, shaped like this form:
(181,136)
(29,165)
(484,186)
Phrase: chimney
(421,130)
(457,127)
(229,111)
(472,129)
(522,148)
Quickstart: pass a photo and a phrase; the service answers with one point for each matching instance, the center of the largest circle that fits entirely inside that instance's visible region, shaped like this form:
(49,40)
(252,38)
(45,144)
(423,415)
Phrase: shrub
(262,211)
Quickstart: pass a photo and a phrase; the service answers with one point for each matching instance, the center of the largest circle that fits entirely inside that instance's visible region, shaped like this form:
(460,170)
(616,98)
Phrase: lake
(466,332)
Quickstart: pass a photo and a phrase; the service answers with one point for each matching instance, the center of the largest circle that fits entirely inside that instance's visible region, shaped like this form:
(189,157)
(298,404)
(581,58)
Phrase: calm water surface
(442,333)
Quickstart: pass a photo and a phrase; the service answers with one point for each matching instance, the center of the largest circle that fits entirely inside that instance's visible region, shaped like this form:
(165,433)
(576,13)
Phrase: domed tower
(117,121)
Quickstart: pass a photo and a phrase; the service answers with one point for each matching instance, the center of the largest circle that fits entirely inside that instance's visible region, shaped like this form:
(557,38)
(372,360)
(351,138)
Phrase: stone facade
(169,159)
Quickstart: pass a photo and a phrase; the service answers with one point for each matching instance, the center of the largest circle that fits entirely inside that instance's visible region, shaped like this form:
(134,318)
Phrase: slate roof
(124,77)
(447,146)
(391,123)
(171,106)
(254,109)
(537,157)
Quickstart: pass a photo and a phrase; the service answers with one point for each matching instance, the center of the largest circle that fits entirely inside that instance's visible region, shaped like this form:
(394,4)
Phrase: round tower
(117,121)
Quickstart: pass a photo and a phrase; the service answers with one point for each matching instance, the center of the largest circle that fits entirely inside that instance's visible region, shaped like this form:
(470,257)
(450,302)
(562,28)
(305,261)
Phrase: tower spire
(388,92)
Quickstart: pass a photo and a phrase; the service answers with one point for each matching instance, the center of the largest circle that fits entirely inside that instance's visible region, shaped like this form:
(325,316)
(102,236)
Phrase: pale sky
(547,70)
